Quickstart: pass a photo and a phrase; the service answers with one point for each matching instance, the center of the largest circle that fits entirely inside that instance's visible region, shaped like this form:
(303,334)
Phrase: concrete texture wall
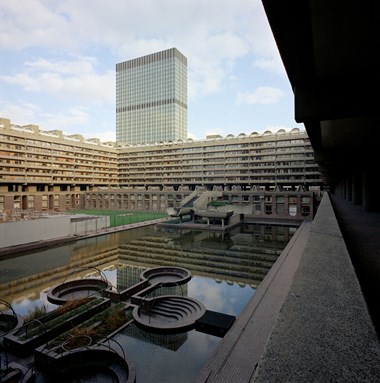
(43,229)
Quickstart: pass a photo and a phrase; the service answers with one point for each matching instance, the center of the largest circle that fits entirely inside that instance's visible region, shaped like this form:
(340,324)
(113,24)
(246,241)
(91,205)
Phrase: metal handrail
(113,350)
(7,304)
(101,274)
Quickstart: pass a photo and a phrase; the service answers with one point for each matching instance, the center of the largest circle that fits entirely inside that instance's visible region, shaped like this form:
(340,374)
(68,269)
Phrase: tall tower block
(151,98)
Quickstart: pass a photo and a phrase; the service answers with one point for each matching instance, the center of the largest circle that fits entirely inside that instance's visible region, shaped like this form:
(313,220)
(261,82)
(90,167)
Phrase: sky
(58,63)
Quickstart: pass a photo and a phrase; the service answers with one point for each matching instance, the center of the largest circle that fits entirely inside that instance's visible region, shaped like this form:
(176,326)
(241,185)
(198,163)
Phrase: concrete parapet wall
(323,331)
(43,229)
(50,228)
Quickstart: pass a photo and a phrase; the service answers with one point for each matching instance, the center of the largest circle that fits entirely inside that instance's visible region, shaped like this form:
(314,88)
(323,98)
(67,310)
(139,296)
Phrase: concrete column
(342,188)
(262,205)
(349,188)
(286,204)
(370,197)
(274,205)
(365,190)
(299,215)
(356,190)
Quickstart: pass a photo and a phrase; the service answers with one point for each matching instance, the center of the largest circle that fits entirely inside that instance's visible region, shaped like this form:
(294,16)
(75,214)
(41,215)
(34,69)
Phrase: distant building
(151,98)
(47,170)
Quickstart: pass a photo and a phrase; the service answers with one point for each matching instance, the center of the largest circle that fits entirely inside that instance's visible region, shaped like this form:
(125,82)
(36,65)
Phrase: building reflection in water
(226,270)
(241,256)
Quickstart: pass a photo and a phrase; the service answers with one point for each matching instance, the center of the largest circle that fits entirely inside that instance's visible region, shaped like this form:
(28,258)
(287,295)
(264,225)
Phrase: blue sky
(58,62)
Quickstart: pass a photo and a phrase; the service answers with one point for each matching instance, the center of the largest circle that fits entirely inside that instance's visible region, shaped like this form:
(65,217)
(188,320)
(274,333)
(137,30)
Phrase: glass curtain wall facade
(151,98)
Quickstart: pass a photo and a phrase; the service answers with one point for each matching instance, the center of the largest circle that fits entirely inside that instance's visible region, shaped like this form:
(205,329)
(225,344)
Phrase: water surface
(226,270)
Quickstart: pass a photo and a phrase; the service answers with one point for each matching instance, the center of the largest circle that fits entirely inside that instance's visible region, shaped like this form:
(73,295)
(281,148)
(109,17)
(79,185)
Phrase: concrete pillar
(298,203)
(370,197)
(348,188)
(366,191)
(356,190)
(342,187)
(286,204)
(262,207)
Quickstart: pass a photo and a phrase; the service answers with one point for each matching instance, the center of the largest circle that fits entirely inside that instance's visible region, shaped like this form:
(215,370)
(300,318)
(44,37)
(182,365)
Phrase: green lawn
(123,217)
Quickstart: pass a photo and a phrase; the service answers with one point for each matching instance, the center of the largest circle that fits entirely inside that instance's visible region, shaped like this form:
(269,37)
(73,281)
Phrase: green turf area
(123,217)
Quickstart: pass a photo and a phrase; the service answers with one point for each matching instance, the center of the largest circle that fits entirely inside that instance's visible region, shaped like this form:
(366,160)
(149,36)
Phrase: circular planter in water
(166,275)
(76,289)
(85,363)
(9,320)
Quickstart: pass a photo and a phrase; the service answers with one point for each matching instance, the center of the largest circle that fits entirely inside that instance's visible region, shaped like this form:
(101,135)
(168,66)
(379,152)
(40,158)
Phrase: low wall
(50,228)
(42,229)
(324,331)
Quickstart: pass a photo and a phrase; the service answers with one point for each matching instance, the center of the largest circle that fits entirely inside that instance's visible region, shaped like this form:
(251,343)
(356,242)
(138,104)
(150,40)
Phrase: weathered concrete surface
(21,232)
(323,332)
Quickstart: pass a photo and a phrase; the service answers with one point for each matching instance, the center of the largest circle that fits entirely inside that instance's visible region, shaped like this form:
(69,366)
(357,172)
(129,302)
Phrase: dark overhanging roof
(330,50)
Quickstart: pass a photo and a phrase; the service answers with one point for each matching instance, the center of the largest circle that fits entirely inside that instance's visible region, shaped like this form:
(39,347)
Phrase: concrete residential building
(151,98)
(46,170)
(269,160)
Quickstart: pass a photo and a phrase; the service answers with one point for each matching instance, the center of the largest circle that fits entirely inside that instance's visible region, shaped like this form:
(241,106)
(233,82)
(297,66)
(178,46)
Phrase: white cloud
(262,95)
(32,23)
(22,113)
(71,117)
(273,64)
(66,79)
(212,34)
(61,56)
(106,136)
(212,62)
(83,65)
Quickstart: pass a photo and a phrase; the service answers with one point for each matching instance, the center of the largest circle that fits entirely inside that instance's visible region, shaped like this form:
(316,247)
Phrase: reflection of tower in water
(129,275)
(169,341)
